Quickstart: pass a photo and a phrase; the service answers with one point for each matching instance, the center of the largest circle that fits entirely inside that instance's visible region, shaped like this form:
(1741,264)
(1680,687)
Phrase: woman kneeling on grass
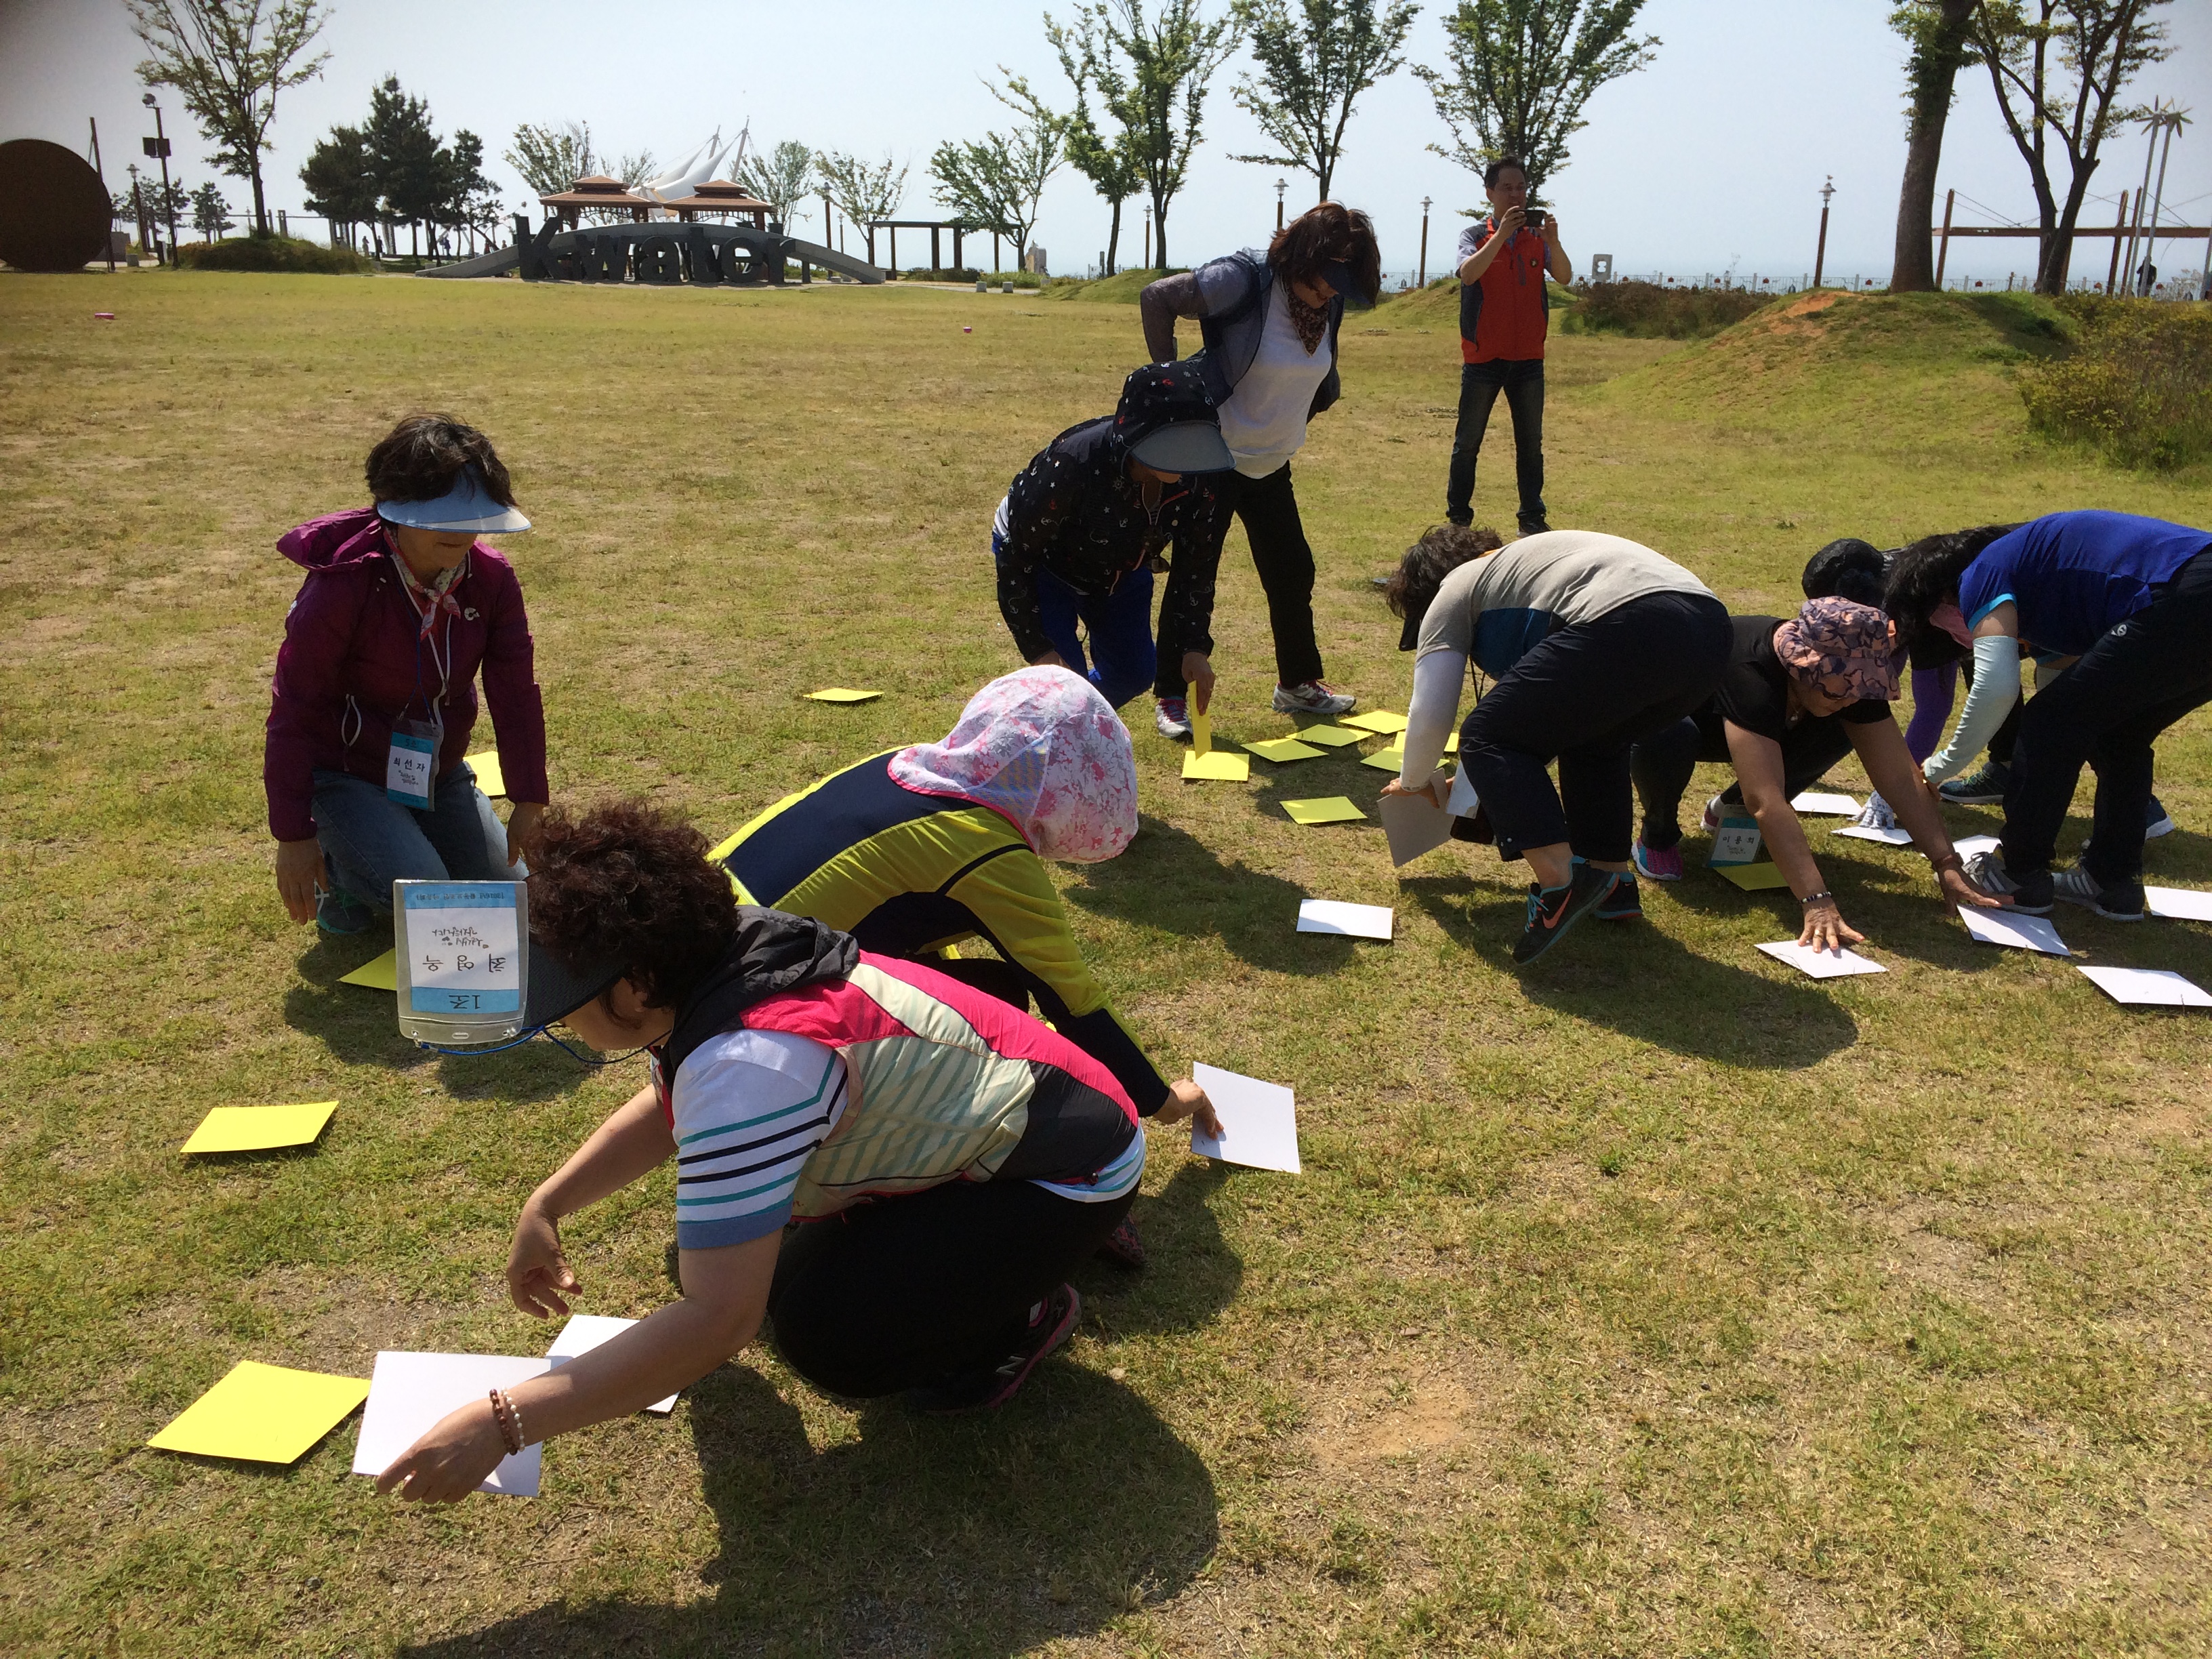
(374,697)
(923,849)
(953,1160)
(1797,697)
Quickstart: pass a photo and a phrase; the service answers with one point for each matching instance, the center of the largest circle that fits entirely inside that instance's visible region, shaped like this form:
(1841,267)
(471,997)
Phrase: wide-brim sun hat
(1185,446)
(1166,421)
(467,507)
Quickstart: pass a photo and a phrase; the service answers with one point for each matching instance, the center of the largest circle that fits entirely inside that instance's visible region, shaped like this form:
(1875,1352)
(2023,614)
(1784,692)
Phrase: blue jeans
(370,841)
(1522,380)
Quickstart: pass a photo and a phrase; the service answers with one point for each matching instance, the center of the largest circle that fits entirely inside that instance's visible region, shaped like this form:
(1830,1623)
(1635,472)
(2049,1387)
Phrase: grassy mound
(1122,289)
(288,253)
(2135,388)
(1655,311)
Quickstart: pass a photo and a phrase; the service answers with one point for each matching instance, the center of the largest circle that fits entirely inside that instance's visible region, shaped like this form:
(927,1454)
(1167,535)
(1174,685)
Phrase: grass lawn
(1656,1301)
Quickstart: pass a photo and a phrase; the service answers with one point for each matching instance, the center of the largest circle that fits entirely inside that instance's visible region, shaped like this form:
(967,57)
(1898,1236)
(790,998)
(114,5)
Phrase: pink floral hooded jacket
(352,662)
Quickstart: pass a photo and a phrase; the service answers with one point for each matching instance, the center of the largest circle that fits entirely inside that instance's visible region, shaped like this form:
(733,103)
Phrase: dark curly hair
(629,883)
(1925,575)
(1412,587)
(1325,235)
(418,460)
(1848,569)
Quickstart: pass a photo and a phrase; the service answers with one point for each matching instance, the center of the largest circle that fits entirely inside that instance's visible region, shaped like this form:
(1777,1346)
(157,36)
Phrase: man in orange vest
(1503,314)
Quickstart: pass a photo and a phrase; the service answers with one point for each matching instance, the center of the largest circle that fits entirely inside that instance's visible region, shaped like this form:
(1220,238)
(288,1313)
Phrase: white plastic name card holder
(410,769)
(1737,842)
(460,967)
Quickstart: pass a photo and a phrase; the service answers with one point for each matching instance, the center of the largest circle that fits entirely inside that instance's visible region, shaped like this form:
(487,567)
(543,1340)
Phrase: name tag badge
(411,768)
(1737,842)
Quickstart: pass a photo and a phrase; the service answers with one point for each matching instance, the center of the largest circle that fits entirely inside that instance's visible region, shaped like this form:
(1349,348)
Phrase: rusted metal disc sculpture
(53,214)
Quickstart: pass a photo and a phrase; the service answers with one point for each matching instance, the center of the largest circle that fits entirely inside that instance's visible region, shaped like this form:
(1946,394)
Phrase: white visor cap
(468,506)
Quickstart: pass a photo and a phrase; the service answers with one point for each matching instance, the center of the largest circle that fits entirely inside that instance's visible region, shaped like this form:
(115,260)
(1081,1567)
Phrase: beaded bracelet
(509,1421)
(1823,896)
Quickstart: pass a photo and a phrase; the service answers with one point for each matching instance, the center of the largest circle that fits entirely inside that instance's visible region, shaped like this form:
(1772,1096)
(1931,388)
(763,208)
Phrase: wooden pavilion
(721,198)
(599,193)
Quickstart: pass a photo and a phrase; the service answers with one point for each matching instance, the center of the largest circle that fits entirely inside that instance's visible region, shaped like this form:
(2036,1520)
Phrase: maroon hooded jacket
(347,669)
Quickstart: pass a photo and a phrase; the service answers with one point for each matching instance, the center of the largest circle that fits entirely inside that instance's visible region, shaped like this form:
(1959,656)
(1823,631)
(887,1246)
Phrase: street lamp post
(1281,187)
(1422,281)
(1821,253)
(159,145)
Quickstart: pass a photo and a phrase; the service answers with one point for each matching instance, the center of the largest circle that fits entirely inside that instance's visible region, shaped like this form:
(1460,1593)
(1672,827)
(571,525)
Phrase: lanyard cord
(529,1035)
(426,612)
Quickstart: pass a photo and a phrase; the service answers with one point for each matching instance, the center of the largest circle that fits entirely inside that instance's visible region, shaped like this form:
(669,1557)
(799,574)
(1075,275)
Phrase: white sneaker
(1876,814)
(1313,698)
(1714,808)
(1172,716)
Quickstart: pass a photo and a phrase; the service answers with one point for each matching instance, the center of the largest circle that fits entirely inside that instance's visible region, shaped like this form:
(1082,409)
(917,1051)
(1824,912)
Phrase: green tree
(471,202)
(228,59)
(1152,75)
(210,213)
(340,178)
(1313,67)
(2058,68)
(551,159)
(781,178)
(1935,30)
(1521,72)
(864,192)
(996,184)
(404,157)
(1110,163)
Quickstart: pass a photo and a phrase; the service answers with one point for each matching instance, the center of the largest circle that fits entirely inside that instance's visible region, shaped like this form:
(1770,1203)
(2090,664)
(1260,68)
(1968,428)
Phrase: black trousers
(1663,761)
(1268,508)
(1522,380)
(909,1290)
(2140,676)
(1584,695)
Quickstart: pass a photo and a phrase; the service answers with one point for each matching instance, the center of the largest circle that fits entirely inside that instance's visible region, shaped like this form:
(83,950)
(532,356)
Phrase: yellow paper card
(1392,761)
(1381,721)
(1451,743)
(1217,768)
(258,1128)
(1751,877)
(1329,809)
(1201,733)
(1285,749)
(1335,737)
(490,778)
(266,1413)
(381,975)
(841,694)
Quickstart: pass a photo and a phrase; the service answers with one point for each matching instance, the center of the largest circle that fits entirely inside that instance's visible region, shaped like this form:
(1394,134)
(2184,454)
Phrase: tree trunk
(1159,234)
(1113,240)
(1934,71)
(260,206)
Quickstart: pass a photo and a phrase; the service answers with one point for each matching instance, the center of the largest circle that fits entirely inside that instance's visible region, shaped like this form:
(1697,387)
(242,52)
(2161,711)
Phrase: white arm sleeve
(1995,689)
(1437,677)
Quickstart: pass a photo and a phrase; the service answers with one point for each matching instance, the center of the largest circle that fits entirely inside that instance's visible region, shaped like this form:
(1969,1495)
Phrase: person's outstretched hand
(1198,674)
(1826,929)
(300,872)
(450,1462)
(538,1274)
(1187,1100)
(1436,793)
(1958,892)
(522,829)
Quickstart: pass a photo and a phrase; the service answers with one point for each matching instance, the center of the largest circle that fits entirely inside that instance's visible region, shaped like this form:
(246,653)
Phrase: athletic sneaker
(1984,787)
(1552,910)
(2031,894)
(1122,1246)
(1622,903)
(1875,814)
(1660,863)
(1714,808)
(1312,697)
(2121,902)
(2156,821)
(336,914)
(1172,716)
(1052,1322)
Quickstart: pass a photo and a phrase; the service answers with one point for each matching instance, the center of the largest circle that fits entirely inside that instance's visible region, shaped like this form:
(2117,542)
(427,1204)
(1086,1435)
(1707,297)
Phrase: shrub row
(273,253)
(2136,387)
(1658,311)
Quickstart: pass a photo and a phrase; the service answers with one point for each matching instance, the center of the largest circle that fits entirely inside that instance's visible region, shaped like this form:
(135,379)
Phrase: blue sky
(1711,158)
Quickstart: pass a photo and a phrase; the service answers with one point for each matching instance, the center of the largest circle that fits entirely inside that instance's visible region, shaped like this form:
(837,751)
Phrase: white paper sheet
(2153,986)
(1968,845)
(1259,1122)
(2179,903)
(585,1332)
(1821,964)
(408,1393)
(1820,805)
(1336,916)
(1896,836)
(1414,826)
(2021,933)
(1463,801)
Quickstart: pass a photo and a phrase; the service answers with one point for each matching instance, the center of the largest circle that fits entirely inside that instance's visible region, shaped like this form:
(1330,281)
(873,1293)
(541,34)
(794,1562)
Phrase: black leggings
(1285,560)
(909,1290)
(1663,763)
(2140,676)
(1585,694)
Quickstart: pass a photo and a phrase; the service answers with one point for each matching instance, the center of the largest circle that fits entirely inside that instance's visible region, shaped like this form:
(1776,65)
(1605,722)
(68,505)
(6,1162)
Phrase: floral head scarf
(1044,750)
(1847,650)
